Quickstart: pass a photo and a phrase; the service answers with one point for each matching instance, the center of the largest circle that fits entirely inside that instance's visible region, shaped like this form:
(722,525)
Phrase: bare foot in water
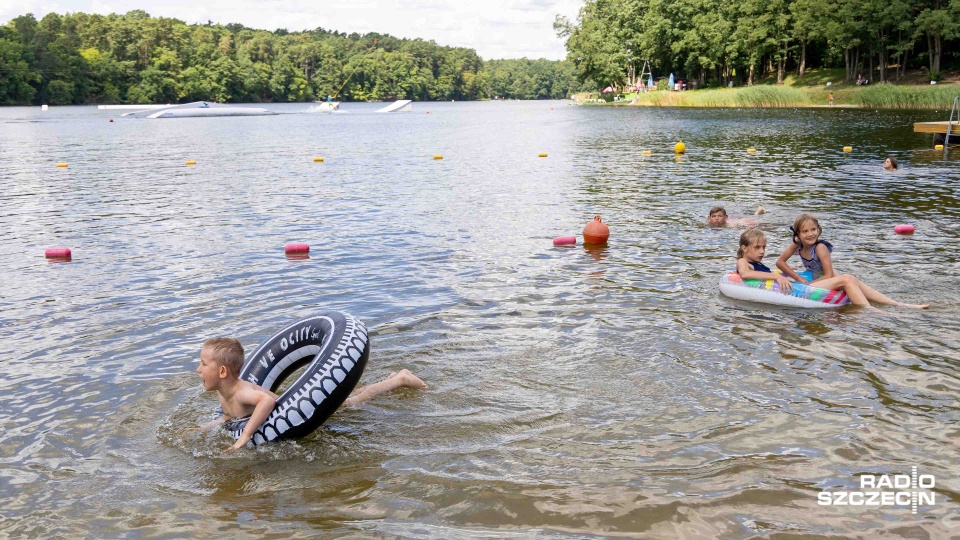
(410,380)
(395,380)
(914,306)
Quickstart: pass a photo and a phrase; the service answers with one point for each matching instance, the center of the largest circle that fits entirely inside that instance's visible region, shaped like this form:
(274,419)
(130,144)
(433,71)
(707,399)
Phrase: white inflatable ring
(768,292)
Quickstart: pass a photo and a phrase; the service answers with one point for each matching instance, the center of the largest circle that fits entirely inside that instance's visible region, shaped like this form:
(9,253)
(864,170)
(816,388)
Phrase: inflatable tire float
(768,292)
(334,346)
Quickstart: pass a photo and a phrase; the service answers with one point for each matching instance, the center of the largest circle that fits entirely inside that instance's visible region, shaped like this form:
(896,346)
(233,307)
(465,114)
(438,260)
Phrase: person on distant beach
(718,218)
(815,255)
(891,164)
(244,403)
(753,246)
(831,99)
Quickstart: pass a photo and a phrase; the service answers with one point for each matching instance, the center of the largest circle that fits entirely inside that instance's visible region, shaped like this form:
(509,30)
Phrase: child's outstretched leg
(396,380)
(860,294)
(849,284)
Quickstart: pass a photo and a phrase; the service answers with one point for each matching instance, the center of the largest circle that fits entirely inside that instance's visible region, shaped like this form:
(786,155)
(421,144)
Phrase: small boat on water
(200,109)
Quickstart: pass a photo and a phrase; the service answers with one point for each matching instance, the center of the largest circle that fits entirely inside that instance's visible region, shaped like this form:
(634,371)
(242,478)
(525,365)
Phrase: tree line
(718,41)
(135,58)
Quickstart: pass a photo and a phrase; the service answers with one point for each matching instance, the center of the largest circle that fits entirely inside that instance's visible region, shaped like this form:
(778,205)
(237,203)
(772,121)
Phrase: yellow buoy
(191,162)
(751,150)
(542,154)
(938,147)
(318,160)
(646,152)
(62,165)
(848,149)
(680,148)
(437,156)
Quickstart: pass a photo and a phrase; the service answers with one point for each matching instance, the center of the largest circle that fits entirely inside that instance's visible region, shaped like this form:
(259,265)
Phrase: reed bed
(888,96)
(753,96)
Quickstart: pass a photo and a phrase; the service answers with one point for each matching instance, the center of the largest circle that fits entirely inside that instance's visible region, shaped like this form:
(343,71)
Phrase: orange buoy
(596,232)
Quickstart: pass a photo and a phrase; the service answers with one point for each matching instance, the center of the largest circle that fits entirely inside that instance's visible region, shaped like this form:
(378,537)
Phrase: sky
(494,28)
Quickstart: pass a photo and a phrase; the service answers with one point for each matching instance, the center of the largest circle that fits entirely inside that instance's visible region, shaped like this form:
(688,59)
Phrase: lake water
(574,391)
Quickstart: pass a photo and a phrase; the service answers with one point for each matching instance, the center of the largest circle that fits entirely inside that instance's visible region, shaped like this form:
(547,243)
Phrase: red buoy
(296,247)
(903,228)
(57,253)
(564,240)
(596,232)
(111,119)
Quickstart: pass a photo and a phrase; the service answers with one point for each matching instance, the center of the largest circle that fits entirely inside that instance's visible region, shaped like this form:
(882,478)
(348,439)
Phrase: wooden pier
(937,127)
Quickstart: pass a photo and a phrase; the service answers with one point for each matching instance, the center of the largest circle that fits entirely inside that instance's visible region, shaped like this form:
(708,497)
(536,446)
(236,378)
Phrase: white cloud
(495,28)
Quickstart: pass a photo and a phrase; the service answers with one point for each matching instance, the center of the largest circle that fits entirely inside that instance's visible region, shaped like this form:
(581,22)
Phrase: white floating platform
(134,107)
(404,105)
(200,109)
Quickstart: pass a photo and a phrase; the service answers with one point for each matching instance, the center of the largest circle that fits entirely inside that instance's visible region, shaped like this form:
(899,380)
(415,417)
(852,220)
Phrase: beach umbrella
(608,89)
(671,81)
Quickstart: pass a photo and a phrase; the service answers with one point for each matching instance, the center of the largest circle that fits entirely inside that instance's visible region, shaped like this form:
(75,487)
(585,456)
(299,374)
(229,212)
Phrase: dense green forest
(719,41)
(135,58)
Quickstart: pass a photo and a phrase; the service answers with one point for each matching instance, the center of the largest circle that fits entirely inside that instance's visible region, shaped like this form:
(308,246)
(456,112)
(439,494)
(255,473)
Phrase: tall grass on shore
(753,96)
(888,96)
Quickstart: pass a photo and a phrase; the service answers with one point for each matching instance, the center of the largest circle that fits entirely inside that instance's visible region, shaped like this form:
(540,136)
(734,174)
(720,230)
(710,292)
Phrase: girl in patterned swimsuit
(815,254)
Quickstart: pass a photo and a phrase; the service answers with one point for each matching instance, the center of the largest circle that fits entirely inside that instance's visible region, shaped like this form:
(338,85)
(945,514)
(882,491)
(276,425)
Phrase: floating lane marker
(904,228)
(57,253)
(318,160)
(296,248)
(646,152)
(542,154)
(62,165)
(752,150)
(437,156)
(191,162)
(938,147)
(848,149)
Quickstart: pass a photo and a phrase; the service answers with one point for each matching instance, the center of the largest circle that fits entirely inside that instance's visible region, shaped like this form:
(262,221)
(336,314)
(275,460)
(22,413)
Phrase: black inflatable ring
(336,347)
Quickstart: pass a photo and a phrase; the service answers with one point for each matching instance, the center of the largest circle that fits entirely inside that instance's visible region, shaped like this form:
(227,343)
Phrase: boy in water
(718,218)
(221,360)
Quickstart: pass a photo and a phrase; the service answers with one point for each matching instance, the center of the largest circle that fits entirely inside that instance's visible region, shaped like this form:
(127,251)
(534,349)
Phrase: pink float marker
(296,248)
(57,253)
(564,240)
(903,228)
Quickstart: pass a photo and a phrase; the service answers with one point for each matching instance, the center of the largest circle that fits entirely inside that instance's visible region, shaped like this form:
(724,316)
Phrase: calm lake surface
(574,392)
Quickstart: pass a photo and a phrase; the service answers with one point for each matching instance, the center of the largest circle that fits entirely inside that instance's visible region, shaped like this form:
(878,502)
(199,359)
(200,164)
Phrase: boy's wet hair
(748,237)
(226,352)
(716,209)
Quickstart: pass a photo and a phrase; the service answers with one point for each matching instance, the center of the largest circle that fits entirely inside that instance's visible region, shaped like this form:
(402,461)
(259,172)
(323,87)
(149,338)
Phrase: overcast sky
(494,28)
